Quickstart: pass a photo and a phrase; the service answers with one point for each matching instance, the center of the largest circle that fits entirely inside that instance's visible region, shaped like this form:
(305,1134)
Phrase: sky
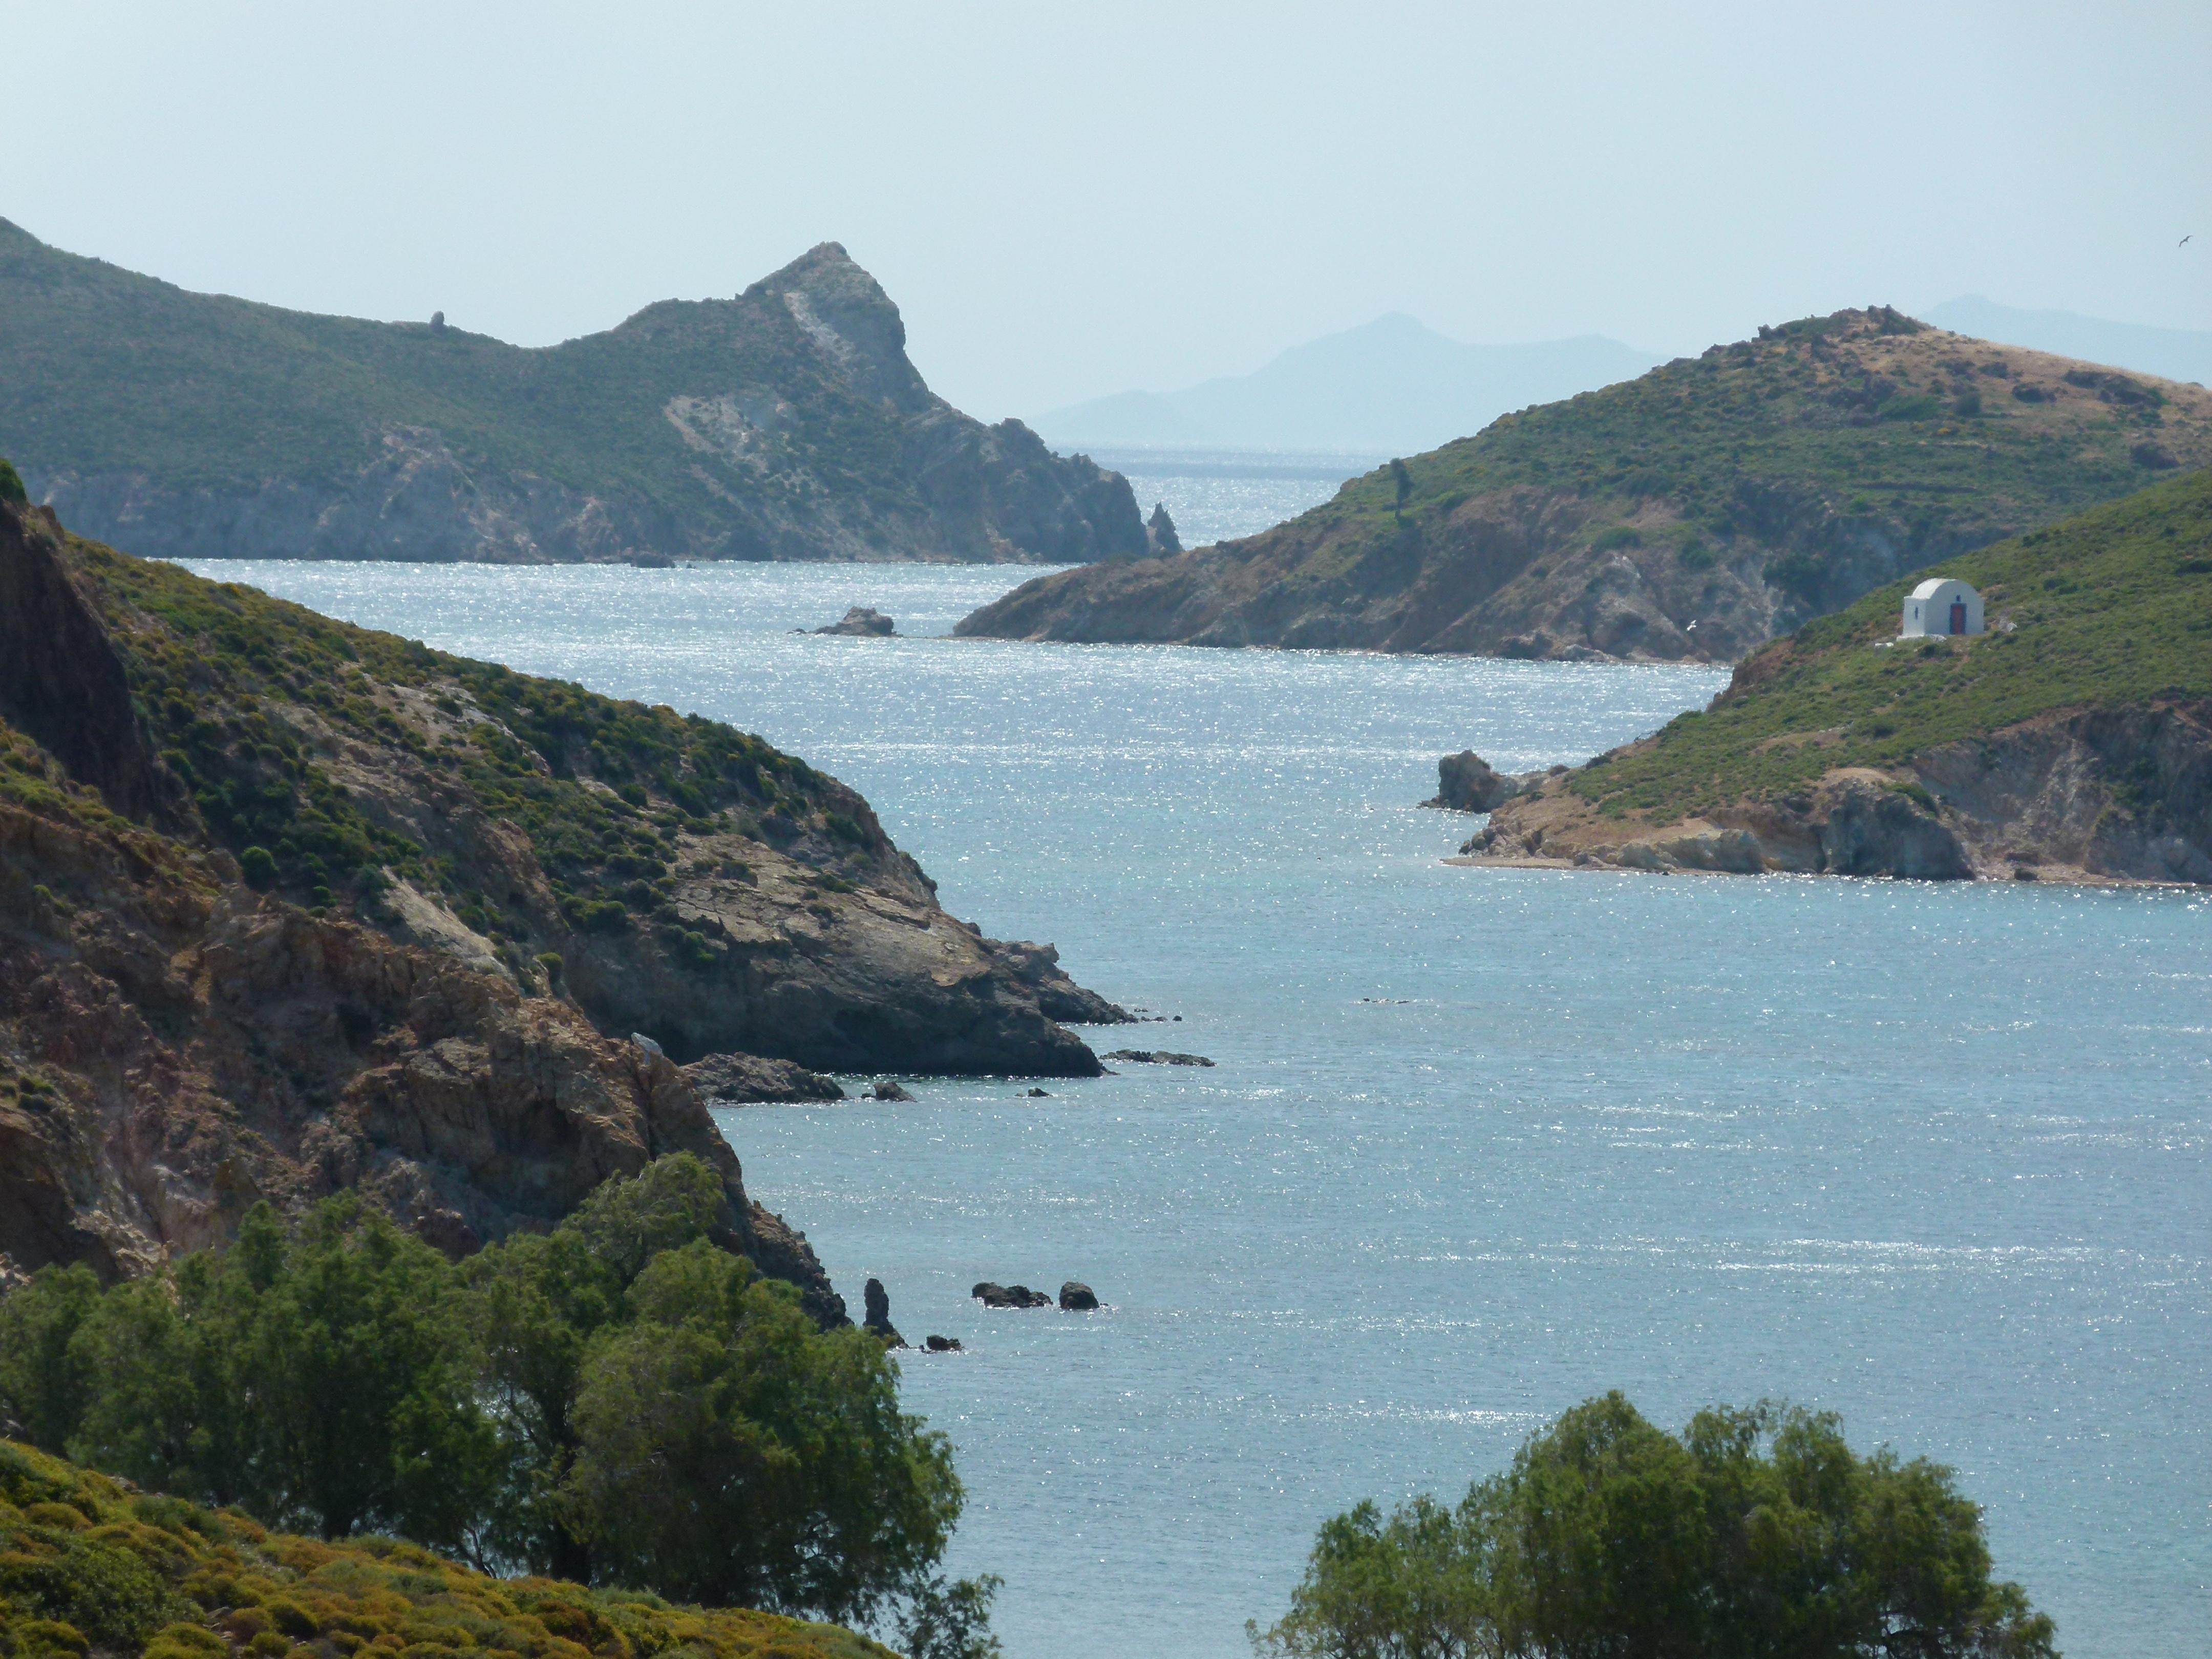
(1075,199)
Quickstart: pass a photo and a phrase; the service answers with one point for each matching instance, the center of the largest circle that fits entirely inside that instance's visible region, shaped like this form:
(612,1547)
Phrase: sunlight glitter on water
(1936,1157)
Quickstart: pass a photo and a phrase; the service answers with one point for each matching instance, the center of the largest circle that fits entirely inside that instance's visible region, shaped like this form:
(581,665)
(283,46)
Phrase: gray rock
(743,1080)
(1468,783)
(942,1344)
(860,620)
(877,1302)
(886,1090)
(993,1294)
(1075,1296)
(1160,538)
(1157,1057)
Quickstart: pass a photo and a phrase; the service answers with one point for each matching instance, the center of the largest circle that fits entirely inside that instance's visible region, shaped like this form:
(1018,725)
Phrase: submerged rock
(1157,1057)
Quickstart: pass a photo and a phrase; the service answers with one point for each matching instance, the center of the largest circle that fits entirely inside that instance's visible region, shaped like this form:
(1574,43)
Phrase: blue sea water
(1478,1144)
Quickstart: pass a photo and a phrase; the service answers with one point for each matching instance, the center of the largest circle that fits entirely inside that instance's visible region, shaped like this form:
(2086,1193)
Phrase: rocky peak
(851,321)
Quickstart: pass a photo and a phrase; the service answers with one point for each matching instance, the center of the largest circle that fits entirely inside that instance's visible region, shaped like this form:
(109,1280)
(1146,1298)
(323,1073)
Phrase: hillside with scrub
(1691,514)
(2072,740)
(784,423)
(591,1440)
(308,907)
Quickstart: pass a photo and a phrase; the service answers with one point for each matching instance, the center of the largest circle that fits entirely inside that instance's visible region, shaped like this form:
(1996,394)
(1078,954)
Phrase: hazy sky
(1068,200)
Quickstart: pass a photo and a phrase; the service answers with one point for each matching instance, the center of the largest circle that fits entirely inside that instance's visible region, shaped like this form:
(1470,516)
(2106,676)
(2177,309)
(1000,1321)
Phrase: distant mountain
(1693,514)
(785,424)
(1392,386)
(2173,354)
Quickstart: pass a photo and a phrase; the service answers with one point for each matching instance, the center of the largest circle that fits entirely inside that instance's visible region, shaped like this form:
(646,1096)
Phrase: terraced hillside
(1688,515)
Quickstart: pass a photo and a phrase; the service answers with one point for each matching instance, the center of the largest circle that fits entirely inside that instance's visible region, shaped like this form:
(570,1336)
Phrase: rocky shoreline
(473,1037)
(2034,802)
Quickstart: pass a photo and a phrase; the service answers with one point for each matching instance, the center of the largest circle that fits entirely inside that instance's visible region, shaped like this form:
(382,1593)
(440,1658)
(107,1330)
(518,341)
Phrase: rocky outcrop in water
(876,1303)
(1076,1297)
(787,422)
(747,1079)
(1157,1057)
(992,1294)
(1467,783)
(863,621)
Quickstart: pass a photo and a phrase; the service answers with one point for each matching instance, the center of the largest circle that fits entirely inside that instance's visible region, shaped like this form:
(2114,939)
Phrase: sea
(1476,1145)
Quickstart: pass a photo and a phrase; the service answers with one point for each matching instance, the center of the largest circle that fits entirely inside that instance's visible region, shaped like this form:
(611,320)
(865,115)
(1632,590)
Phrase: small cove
(1479,1142)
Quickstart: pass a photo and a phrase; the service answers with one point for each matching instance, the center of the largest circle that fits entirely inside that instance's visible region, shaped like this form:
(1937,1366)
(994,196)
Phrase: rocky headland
(785,422)
(1689,515)
(2072,742)
(288,905)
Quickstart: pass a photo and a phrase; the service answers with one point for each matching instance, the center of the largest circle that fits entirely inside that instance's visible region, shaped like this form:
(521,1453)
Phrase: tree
(729,1452)
(1757,1534)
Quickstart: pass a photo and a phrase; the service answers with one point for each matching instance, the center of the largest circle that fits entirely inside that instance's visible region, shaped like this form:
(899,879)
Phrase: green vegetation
(1754,1533)
(11,482)
(87,1565)
(2108,609)
(1862,411)
(618,1401)
(235,687)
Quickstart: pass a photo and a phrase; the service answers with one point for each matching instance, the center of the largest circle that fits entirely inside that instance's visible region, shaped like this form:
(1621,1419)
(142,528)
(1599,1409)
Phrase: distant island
(784,423)
(1391,385)
(1689,515)
(2072,740)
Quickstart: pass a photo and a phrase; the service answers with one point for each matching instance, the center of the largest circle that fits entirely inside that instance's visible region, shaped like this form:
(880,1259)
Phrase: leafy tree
(730,1452)
(1757,1534)
(42,1386)
(618,1401)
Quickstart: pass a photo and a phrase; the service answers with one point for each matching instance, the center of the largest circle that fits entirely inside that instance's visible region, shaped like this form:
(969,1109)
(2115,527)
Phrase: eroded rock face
(178,1048)
(2082,795)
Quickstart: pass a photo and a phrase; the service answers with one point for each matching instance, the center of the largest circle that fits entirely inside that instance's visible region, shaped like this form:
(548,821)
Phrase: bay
(1478,1143)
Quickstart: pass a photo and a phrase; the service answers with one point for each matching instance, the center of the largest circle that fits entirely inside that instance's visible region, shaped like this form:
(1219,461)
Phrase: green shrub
(1695,555)
(1620,536)
(1753,1532)
(11,483)
(258,865)
(1909,406)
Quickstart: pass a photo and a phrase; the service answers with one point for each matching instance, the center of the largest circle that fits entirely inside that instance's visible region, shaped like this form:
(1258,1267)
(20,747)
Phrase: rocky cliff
(787,422)
(2072,742)
(1688,515)
(287,906)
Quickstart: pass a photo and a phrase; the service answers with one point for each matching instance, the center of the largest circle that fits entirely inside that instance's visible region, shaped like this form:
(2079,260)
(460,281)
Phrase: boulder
(1075,1296)
(886,1090)
(1468,783)
(862,621)
(942,1344)
(1157,1057)
(992,1294)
